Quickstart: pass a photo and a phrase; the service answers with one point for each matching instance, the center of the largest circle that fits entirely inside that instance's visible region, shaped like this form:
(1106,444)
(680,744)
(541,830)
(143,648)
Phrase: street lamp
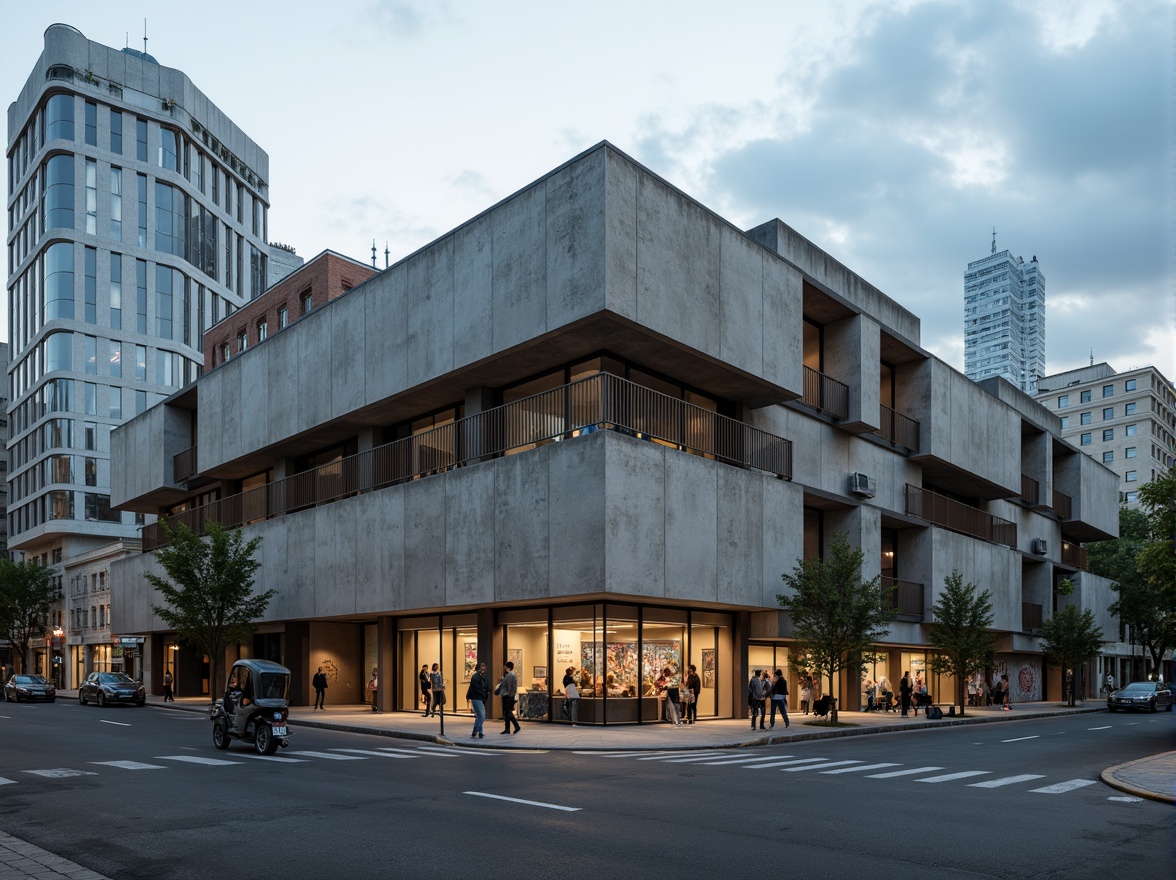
(58,637)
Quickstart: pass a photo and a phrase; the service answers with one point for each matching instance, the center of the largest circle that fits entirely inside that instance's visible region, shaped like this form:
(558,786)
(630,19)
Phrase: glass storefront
(451,641)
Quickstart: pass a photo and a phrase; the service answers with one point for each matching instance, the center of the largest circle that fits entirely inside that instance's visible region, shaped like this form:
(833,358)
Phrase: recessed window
(1085,396)
(1129,452)
(283,317)
(305,299)
(1130,430)
(1132,497)
(1065,422)
(1085,418)
(242,341)
(1129,409)
(1131,476)
(224,352)
(1108,413)
(1129,385)
(262,330)
(1108,390)
(1084,440)
(1108,457)
(1109,434)
(1063,401)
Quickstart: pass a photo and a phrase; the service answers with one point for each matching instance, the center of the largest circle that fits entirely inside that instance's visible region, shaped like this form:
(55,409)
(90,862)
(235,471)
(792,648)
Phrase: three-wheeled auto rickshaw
(254,708)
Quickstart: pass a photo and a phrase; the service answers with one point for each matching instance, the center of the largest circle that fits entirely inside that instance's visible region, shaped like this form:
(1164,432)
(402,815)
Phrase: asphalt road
(128,792)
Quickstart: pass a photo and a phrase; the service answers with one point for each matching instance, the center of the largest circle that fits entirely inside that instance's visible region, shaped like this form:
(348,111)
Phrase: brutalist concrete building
(590,428)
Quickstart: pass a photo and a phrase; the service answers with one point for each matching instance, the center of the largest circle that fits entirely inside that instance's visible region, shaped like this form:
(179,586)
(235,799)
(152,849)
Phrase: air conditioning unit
(863,485)
(1040,546)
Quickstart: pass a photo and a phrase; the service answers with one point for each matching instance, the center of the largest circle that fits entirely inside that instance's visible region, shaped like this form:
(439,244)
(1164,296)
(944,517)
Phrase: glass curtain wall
(450,641)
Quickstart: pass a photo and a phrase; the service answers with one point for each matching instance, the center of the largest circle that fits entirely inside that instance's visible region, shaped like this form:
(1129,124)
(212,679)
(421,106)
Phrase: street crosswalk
(926,775)
(239,758)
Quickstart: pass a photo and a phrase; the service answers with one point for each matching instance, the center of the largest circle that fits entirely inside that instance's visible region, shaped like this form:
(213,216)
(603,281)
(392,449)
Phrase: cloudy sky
(895,135)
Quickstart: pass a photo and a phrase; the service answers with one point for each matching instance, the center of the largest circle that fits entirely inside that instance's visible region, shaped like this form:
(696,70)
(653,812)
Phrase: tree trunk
(829,694)
(961,693)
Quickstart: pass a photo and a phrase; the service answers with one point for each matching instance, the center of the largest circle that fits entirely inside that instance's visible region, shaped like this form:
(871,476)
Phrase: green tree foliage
(1071,638)
(209,599)
(25,594)
(1157,560)
(835,614)
(960,633)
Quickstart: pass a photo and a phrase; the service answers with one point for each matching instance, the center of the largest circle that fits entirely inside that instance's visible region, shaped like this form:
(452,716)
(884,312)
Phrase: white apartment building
(1004,320)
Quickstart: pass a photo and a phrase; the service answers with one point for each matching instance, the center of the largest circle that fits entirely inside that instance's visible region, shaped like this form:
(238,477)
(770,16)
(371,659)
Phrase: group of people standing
(763,689)
(432,684)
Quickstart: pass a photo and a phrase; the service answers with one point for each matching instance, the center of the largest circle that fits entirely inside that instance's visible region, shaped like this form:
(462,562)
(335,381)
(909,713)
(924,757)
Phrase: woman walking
(779,698)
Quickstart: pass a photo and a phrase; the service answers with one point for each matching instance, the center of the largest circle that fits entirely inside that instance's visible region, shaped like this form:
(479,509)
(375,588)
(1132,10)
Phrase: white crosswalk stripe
(722,761)
(461,753)
(410,753)
(276,759)
(896,773)
(4,781)
(1008,780)
(61,773)
(373,753)
(951,777)
(1063,787)
(861,769)
(129,765)
(328,756)
(196,759)
(817,766)
(771,764)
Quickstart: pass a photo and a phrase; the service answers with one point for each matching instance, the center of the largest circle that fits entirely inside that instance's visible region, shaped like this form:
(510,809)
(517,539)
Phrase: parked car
(1149,695)
(254,708)
(111,687)
(29,687)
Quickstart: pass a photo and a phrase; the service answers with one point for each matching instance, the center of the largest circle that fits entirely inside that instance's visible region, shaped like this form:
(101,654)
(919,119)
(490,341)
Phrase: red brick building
(310,287)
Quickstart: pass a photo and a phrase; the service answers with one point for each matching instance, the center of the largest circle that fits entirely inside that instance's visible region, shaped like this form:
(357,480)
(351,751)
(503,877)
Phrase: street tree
(960,633)
(836,616)
(25,595)
(1157,559)
(1071,637)
(209,599)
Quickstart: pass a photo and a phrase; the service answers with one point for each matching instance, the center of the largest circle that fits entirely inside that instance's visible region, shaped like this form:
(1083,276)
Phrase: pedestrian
(806,693)
(690,694)
(780,698)
(168,697)
(755,698)
(373,686)
(423,677)
(1005,695)
(1110,683)
(320,690)
(477,693)
(571,706)
(666,687)
(904,693)
(971,691)
(508,690)
(437,689)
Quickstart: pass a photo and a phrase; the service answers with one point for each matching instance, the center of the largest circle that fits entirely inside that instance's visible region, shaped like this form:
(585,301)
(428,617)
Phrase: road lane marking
(117,723)
(1106,727)
(374,753)
(329,756)
(461,753)
(1008,780)
(894,773)
(818,766)
(129,765)
(785,763)
(663,756)
(500,797)
(197,759)
(726,759)
(1126,799)
(950,777)
(4,781)
(1020,739)
(862,768)
(1063,787)
(60,773)
(275,758)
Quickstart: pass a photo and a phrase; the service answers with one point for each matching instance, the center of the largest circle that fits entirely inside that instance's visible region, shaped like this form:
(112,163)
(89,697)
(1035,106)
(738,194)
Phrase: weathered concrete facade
(684,502)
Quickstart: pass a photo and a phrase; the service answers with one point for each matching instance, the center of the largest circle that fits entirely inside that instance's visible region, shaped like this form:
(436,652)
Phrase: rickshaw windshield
(273,686)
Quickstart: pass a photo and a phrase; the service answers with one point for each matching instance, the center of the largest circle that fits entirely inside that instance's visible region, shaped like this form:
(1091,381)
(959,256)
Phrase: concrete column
(853,352)
(387,662)
(297,659)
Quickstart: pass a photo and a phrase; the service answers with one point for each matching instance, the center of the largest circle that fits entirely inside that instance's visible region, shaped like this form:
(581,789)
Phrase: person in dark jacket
(694,685)
(904,693)
(755,698)
(478,693)
(779,698)
(320,690)
(571,707)
(508,690)
(423,678)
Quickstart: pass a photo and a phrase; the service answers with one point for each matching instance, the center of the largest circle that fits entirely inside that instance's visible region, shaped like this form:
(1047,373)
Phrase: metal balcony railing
(825,394)
(1030,617)
(601,402)
(1062,504)
(959,517)
(184,465)
(903,598)
(898,429)
(1073,554)
(1030,490)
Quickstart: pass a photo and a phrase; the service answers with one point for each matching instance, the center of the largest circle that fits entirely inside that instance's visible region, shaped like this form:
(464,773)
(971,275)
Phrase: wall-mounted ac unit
(1040,546)
(863,485)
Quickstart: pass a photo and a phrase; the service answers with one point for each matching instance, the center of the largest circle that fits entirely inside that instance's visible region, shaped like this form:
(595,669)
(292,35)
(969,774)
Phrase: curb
(1109,778)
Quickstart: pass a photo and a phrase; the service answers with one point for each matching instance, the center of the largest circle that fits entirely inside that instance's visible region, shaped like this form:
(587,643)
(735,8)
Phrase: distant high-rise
(1004,319)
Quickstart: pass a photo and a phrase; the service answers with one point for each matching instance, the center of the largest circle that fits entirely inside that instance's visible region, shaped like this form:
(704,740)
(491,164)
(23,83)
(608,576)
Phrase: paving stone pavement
(20,860)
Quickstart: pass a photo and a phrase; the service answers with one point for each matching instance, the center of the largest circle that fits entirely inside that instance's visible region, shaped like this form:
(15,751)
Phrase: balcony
(1062,504)
(898,429)
(1030,490)
(184,465)
(599,403)
(826,394)
(1073,554)
(958,517)
(1030,617)
(904,599)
